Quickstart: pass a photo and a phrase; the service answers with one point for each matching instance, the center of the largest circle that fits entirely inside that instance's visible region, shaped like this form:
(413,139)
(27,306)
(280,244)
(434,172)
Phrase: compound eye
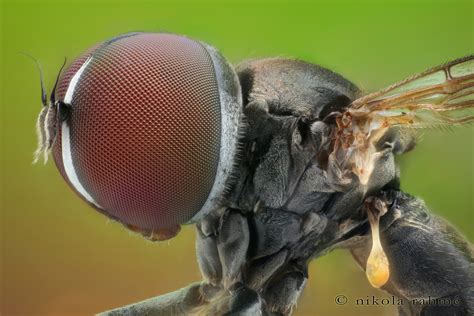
(151,136)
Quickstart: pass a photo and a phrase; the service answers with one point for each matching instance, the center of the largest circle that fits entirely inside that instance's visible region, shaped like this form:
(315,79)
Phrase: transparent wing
(441,96)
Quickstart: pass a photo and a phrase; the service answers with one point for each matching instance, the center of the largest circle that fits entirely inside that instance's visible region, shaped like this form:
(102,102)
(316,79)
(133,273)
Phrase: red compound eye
(151,133)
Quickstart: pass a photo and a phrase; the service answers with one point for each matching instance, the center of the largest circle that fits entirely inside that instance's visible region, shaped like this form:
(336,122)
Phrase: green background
(59,257)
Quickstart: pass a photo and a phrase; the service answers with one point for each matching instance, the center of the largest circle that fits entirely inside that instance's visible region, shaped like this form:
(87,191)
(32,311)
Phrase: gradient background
(59,257)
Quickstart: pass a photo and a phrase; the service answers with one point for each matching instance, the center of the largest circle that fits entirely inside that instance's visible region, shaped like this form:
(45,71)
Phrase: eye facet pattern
(152,129)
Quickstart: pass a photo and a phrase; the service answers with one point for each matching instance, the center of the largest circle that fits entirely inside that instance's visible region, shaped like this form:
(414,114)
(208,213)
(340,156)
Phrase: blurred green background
(59,257)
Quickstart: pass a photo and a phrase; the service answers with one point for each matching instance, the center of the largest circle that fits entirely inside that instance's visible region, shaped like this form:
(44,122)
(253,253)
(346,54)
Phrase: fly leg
(257,276)
(221,246)
(207,253)
(233,243)
(283,292)
(431,263)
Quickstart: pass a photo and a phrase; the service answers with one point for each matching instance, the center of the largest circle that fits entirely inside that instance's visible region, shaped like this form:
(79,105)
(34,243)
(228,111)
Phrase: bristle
(40,69)
(47,135)
(239,155)
(45,156)
(40,134)
(419,137)
(50,130)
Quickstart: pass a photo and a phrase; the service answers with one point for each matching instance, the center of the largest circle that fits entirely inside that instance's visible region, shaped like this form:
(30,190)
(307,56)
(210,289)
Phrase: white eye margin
(231,131)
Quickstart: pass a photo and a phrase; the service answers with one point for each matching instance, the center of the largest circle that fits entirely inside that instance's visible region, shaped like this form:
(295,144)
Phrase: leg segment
(431,264)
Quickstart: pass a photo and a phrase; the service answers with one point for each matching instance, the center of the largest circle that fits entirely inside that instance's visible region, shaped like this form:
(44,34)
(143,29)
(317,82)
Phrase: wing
(441,96)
